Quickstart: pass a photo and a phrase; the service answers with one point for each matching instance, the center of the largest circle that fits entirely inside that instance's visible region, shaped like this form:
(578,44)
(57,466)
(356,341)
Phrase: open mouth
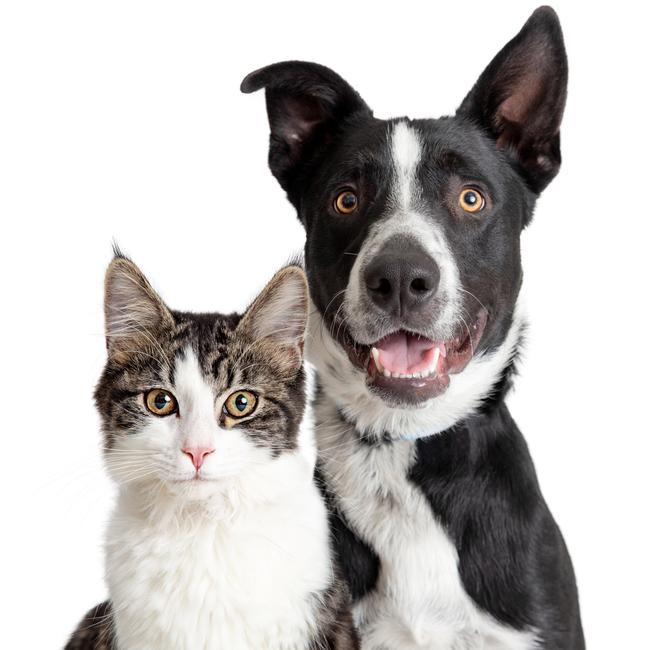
(409,368)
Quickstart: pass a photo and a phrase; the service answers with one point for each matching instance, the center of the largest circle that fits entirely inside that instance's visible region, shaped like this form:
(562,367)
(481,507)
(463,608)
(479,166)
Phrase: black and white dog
(413,261)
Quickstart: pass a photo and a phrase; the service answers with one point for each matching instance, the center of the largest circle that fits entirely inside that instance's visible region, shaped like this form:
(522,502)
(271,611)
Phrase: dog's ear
(305,102)
(519,99)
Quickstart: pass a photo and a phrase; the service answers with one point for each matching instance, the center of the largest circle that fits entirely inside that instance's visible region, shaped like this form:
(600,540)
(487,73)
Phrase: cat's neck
(244,573)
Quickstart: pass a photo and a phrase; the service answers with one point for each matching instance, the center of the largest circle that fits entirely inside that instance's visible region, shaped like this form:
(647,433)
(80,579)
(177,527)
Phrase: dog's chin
(405,368)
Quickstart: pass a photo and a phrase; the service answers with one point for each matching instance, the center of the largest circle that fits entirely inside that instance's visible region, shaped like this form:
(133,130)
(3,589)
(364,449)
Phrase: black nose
(402,277)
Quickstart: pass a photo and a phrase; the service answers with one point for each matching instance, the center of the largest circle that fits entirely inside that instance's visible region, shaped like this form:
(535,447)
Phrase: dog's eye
(346,202)
(240,404)
(471,200)
(161,402)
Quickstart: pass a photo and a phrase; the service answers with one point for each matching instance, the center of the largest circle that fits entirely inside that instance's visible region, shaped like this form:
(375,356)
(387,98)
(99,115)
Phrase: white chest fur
(419,601)
(194,581)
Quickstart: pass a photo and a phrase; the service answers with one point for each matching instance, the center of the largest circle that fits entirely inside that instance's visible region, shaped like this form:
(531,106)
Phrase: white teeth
(375,356)
(436,356)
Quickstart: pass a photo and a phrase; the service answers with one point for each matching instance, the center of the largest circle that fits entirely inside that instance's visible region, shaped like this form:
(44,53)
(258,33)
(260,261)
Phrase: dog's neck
(483,383)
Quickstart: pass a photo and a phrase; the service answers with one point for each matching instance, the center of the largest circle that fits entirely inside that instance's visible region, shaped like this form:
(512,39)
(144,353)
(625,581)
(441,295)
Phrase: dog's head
(413,227)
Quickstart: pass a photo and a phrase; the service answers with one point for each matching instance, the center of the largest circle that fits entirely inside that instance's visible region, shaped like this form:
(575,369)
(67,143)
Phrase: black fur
(481,483)
(477,476)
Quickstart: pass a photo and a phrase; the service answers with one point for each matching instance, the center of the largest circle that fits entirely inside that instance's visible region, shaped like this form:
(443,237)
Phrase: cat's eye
(160,402)
(240,404)
(471,200)
(346,202)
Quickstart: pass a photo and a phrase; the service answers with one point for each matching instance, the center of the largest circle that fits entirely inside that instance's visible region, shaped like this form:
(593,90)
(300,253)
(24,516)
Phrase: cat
(219,538)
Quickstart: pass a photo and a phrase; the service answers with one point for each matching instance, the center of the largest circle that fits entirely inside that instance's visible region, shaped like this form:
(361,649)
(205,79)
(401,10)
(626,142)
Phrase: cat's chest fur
(246,582)
(418,601)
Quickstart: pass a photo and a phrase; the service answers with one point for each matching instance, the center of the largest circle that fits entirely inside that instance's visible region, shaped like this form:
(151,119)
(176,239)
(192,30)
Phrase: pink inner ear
(514,113)
(522,99)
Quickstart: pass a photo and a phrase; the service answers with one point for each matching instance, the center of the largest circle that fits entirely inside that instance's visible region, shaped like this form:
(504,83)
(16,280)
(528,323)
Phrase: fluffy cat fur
(219,537)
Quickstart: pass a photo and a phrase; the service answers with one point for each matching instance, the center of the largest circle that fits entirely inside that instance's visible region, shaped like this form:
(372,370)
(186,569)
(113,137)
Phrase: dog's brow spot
(406,152)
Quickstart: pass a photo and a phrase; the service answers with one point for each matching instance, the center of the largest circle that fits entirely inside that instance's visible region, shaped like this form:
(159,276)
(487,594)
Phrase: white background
(124,120)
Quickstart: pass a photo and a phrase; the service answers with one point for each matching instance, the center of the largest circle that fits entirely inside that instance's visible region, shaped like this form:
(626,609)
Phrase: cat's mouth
(197,478)
(407,367)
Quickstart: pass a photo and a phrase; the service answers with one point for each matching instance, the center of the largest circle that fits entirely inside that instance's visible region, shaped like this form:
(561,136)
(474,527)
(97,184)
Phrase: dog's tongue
(404,353)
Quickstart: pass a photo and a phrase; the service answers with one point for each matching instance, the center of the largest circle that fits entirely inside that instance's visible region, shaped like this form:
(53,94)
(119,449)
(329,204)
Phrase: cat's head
(192,402)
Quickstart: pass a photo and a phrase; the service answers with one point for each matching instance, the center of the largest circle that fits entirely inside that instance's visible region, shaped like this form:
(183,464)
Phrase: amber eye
(346,202)
(161,402)
(240,404)
(471,200)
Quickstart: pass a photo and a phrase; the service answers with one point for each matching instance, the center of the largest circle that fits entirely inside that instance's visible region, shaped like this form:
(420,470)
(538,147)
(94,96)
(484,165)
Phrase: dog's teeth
(434,363)
(375,356)
(386,372)
(433,366)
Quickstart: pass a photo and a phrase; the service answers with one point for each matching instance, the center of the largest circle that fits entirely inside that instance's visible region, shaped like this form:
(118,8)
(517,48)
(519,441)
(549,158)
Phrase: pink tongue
(405,354)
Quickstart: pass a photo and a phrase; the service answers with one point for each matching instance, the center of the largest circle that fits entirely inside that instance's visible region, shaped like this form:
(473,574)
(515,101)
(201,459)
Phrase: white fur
(419,601)
(229,562)
(406,152)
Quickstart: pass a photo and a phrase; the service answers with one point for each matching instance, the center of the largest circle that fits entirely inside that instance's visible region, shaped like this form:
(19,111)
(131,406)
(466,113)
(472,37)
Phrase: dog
(413,259)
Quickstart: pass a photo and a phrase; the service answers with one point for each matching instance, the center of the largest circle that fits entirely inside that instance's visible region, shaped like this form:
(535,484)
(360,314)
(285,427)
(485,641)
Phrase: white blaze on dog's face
(413,229)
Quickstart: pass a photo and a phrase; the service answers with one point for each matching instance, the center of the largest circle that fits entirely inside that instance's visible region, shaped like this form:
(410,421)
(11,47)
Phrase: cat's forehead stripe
(190,381)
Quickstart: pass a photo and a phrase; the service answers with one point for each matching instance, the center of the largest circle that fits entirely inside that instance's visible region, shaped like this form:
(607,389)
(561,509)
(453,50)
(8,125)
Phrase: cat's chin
(197,489)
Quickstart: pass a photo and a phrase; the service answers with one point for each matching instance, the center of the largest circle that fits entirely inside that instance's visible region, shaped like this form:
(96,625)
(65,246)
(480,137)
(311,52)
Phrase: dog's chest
(245,585)
(418,601)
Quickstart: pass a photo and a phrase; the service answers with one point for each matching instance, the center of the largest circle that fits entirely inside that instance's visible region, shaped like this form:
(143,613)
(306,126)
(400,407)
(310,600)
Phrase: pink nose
(197,454)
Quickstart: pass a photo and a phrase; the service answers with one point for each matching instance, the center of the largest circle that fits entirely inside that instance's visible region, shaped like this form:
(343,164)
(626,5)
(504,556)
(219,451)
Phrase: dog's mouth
(406,367)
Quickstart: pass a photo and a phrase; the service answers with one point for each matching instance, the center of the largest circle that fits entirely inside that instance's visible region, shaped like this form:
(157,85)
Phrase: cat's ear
(279,316)
(519,99)
(305,102)
(134,312)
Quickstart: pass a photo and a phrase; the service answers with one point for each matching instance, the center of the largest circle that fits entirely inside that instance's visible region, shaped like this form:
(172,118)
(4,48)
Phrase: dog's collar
(370,440)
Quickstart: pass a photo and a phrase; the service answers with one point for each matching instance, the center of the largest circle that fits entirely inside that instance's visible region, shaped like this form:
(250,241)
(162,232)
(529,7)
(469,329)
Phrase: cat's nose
(197,454)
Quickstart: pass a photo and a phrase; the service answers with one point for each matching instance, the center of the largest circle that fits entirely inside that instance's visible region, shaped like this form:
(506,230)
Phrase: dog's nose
(402,278)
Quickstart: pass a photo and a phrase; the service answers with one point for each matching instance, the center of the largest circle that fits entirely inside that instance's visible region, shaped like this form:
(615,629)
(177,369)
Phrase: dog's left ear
(519,99)
(305,102)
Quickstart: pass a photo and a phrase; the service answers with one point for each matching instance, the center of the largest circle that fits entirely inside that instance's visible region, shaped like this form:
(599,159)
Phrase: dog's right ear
(305,102)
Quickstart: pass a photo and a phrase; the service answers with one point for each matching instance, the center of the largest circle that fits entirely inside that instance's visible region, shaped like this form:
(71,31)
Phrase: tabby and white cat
(219,539)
